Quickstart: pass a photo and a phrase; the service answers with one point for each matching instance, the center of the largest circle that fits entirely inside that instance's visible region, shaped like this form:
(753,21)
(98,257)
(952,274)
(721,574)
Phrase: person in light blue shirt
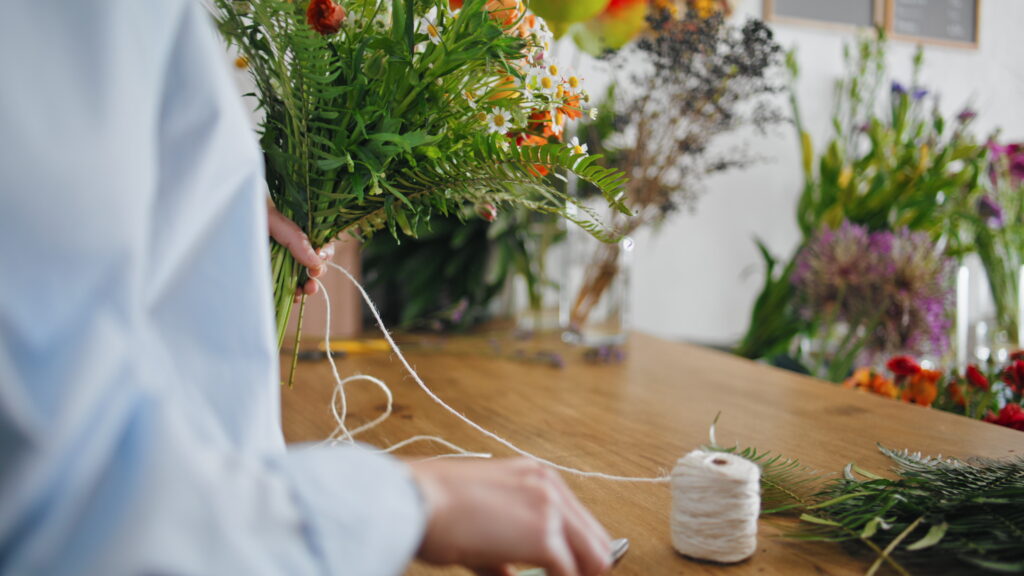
(139,409)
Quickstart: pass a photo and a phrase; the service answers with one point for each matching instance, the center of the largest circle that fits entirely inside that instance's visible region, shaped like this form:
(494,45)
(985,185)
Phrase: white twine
(715,505)
(342,434)
(345,435)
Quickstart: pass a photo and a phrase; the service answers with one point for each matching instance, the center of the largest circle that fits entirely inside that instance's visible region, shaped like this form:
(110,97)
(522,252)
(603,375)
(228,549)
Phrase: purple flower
(898,88)
(1013,155)
(895,285)
(990,211)
(919,93)
(966,115)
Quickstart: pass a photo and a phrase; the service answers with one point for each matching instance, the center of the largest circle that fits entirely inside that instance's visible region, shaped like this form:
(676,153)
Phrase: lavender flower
(898,88)
(919,93)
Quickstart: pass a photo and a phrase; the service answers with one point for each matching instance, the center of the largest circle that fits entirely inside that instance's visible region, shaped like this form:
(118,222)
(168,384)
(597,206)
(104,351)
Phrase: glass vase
(985,335)
(595,303)
(536,286)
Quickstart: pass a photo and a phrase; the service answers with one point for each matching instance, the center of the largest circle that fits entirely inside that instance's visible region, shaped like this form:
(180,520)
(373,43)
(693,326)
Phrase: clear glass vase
(595,303)
(985,335)
(536,286)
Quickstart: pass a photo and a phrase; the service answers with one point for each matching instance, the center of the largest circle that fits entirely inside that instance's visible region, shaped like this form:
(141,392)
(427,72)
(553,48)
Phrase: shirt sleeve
(139,420)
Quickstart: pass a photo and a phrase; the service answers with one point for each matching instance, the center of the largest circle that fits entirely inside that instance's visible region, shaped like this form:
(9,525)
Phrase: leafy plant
(887,167)
(399,110)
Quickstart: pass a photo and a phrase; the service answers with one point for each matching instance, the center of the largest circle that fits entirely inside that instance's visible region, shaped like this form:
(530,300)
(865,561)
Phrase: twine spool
(716,499)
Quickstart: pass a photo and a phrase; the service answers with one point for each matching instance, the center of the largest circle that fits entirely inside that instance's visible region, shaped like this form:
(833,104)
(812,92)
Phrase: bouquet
(379,113)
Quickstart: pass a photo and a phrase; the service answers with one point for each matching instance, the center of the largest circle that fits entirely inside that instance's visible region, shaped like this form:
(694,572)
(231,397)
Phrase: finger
(310,288)
(289,235)
(593,526)
(588,542)
(326,253)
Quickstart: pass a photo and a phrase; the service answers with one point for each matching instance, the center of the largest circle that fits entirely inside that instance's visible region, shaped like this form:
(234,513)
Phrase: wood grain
(636,418)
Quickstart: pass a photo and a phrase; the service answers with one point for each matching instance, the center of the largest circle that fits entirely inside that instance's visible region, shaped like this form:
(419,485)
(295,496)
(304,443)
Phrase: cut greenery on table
(933,512)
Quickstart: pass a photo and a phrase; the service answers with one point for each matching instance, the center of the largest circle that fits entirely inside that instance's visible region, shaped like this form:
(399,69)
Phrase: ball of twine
(716,499)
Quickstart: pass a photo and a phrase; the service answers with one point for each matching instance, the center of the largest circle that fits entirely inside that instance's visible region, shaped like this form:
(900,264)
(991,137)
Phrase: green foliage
(887,167)
(446,275)
(370,128)
(936,511)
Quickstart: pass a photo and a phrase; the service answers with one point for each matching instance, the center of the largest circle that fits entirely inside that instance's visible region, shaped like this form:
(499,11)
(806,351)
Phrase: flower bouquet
(377,114)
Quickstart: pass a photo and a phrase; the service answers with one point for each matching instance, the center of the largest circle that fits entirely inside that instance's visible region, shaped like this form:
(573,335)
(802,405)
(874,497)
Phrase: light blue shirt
(139,400)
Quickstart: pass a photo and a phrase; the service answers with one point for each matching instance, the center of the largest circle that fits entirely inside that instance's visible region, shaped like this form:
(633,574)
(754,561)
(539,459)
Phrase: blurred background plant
(448,276)
(690,79)
(895,164)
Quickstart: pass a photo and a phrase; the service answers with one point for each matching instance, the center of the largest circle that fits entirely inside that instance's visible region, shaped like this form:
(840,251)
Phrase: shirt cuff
(366,516)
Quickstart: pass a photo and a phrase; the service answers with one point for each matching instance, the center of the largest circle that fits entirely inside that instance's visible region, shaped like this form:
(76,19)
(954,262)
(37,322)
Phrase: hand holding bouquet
(379,113)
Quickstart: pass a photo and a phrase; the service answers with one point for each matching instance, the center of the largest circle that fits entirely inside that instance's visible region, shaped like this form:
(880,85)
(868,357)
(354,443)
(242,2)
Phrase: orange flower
(571,108)
(868,379)
(922,388)
(504,12)
(325,16)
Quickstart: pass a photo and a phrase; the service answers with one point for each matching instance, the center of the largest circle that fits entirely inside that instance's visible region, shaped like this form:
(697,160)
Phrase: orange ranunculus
(922,388)
(325,16)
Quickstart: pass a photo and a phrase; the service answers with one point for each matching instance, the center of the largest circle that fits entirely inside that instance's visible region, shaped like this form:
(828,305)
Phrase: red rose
(976,378)
(1014,376)
(903,366)
(1011,416)
(325,16)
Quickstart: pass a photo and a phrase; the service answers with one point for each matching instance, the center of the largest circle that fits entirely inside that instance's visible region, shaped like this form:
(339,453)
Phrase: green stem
(885,555)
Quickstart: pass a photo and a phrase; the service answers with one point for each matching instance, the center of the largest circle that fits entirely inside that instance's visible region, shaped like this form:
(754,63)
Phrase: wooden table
(637,418)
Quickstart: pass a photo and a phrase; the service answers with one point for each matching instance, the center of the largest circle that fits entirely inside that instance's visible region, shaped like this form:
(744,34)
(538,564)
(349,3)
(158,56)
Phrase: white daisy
(499,121)
(428,25)
(576,147)
(470,97)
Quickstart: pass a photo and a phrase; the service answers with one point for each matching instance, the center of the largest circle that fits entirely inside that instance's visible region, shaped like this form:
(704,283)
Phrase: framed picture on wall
(954,23)
(843,14)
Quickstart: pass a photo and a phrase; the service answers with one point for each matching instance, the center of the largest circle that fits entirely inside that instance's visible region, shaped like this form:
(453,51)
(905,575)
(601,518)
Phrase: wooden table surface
(637,418)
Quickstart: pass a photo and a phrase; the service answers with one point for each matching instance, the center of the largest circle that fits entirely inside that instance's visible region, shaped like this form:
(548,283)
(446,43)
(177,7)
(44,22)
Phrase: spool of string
(716,500)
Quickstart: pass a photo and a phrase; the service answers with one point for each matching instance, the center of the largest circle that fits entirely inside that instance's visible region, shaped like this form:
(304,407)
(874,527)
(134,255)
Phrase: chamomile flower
(428,25)
(576,147)
(499,121)
(542,81)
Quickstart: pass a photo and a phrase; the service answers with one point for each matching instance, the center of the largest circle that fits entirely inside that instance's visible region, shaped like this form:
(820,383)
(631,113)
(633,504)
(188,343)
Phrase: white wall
(697,277)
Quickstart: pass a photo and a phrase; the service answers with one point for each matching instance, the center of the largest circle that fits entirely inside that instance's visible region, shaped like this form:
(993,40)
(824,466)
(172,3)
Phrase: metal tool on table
(619,548)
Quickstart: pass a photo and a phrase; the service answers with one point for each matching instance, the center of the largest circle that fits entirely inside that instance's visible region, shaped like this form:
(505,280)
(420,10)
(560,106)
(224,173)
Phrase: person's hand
(289,235)
(488,515)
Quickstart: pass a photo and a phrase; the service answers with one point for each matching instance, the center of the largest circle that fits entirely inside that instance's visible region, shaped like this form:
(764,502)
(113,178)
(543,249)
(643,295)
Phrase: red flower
(455,4)
(976,378)
(903,366)
(1014,376)
(1011,416)
(1018,355)
(325,16)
